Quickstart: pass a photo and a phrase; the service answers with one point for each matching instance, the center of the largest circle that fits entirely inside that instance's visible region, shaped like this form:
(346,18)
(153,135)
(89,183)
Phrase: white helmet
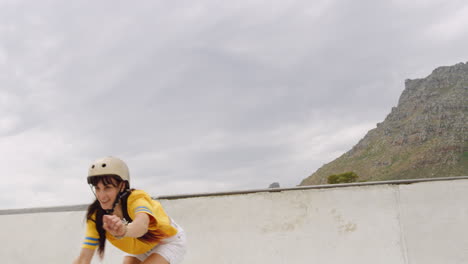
(109,166)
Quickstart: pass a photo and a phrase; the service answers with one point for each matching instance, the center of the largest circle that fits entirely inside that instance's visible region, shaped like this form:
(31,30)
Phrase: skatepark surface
(395,222)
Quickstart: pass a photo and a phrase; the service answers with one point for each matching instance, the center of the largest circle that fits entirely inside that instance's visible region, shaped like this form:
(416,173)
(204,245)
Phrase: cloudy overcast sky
(203,96)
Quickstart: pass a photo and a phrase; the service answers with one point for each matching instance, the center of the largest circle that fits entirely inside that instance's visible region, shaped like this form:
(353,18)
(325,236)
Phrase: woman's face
(106,193)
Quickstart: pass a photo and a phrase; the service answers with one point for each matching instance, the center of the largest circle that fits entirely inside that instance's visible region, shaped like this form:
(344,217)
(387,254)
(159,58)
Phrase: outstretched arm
(113,224)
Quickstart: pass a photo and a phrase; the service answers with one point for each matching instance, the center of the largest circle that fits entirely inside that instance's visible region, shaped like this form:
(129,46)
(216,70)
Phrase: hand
(113,224)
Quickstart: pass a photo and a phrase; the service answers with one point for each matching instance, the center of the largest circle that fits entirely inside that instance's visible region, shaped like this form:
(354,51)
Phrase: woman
(130,219)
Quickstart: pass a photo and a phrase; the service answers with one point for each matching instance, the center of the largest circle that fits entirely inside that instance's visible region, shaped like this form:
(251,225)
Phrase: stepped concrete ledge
(394,222)
(82,207)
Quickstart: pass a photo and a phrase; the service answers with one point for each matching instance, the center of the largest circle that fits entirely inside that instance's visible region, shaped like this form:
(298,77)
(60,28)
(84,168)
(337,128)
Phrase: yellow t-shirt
(138,202)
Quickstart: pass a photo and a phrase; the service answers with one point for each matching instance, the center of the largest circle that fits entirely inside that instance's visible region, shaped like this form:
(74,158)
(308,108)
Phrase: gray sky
(203,96)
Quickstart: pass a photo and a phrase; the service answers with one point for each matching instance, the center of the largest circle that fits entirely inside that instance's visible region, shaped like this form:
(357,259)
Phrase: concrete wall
(422,222)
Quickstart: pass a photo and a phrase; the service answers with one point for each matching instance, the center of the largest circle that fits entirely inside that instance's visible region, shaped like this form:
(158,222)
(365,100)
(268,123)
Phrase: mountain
(424,136)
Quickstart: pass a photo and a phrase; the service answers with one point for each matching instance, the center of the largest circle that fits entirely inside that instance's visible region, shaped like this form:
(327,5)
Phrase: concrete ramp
(407,222)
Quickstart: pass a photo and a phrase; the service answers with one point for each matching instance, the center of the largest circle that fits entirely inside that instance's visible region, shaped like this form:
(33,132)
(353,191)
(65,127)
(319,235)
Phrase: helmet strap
(119,197)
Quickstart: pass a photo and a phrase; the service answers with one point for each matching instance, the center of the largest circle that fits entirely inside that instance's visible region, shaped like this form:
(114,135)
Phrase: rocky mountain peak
(425,135)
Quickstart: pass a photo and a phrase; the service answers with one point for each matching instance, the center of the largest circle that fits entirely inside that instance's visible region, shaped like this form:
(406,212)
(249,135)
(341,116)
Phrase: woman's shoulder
(138,194)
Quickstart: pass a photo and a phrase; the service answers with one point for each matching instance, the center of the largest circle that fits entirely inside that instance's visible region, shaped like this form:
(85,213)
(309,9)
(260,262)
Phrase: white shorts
(173,248)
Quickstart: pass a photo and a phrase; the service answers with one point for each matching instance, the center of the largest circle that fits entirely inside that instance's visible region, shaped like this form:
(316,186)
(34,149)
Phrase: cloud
(203,96)
(452,26)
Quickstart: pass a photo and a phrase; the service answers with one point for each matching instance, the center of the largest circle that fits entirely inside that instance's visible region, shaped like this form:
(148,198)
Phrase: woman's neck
(118,211)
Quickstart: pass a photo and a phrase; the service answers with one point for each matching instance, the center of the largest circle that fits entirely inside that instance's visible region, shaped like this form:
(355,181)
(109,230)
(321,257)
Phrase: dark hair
(95,207)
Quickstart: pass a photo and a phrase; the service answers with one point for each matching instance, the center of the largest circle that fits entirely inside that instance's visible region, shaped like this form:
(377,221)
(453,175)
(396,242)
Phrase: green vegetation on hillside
(346,177)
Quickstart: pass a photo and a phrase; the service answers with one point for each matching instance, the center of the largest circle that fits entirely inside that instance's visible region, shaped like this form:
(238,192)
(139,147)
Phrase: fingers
(112,223)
